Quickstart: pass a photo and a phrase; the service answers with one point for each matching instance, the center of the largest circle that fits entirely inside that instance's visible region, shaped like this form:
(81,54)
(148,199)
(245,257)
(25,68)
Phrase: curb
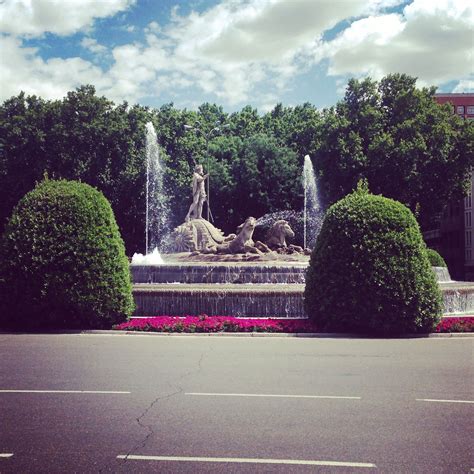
(274,334)
(309,335)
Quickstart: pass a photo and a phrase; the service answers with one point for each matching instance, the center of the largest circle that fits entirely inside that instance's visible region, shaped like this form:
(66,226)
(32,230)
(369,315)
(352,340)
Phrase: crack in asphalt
(143,426)
(149,428)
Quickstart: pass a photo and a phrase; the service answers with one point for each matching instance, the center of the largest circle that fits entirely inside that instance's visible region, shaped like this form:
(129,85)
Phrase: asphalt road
(209,404)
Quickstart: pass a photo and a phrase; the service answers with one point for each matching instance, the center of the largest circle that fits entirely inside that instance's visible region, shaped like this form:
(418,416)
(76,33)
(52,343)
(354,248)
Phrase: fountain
(210,273)
(157,210)
(224,275)
(312,207)
(458,295)
(153,258)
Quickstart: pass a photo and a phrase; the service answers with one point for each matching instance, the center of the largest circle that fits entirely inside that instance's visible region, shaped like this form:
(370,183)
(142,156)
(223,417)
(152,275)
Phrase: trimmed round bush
(369,272)
(63,262)
(435,258)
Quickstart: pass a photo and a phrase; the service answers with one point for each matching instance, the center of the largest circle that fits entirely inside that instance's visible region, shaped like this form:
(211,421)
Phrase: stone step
(255,300)
(238,300)
(241,273)
(220,273)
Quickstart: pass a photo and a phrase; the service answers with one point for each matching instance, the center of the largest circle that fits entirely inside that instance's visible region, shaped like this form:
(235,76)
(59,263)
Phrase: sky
(231,52)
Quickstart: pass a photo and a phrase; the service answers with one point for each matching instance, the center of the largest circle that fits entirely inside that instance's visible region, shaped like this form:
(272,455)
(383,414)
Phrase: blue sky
(231,52)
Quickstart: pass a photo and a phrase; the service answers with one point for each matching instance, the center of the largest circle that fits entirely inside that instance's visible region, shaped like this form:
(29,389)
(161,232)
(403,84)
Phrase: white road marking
(443,401)
(6,455)
(66,391)
(246,460)
(203,394)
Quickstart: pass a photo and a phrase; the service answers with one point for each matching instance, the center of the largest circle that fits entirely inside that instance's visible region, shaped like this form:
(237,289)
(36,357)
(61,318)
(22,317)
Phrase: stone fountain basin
(240,300)
(256,300)
(221,273)
(271,288)
(220,269)
(458,297)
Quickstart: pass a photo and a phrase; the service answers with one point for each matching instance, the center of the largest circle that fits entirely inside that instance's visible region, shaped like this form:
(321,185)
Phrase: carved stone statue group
(197,235)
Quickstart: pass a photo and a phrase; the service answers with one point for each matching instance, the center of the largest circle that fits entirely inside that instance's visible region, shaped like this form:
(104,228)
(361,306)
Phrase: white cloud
(22,70)
(92,45)
(465,86)
(379,6)
(341,86)
(431,40)
(62,17)
(240,50)
(153,27)
(267,31)
(231,48)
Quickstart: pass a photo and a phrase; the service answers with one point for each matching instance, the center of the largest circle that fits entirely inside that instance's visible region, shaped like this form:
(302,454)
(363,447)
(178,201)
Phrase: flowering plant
(461,324)
(205,323)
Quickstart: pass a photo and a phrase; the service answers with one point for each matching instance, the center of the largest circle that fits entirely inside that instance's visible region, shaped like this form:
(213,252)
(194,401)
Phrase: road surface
(144,403)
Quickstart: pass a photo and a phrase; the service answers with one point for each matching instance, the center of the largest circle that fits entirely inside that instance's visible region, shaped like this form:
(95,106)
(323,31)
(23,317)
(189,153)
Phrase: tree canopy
(407,146)
(390,132)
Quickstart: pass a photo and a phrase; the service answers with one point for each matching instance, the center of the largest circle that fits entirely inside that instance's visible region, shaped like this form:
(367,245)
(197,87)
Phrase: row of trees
(395,135)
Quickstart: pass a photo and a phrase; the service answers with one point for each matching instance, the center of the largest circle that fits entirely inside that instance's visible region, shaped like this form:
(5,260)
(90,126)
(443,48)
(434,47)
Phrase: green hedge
(435,258)
(369,271)
(63,262)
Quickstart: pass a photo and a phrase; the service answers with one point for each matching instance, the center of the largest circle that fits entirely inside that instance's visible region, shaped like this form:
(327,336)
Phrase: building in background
(454,238)
(463,103)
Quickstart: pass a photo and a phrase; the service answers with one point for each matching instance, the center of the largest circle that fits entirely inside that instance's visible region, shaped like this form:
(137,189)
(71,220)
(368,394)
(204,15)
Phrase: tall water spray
(156,204)
(312,207)
(157,208)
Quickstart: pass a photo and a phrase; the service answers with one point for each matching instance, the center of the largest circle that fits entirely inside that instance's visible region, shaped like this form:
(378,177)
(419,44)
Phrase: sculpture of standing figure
(199,194)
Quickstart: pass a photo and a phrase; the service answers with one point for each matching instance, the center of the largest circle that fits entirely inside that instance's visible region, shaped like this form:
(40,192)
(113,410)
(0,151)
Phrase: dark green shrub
(369,272)
(435,258)
(63,262)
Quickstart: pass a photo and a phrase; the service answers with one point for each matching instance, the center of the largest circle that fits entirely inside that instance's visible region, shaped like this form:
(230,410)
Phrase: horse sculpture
(278,233)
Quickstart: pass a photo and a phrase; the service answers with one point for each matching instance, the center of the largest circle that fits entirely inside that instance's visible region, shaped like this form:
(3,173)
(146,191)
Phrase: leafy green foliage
(83,137)
(267,178)
(395,135)
(435,258)
(408,147)
(63,261)
(369,271)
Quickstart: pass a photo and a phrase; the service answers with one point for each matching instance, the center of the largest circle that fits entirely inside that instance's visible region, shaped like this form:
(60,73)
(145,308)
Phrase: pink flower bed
(206,323)
(461,324)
